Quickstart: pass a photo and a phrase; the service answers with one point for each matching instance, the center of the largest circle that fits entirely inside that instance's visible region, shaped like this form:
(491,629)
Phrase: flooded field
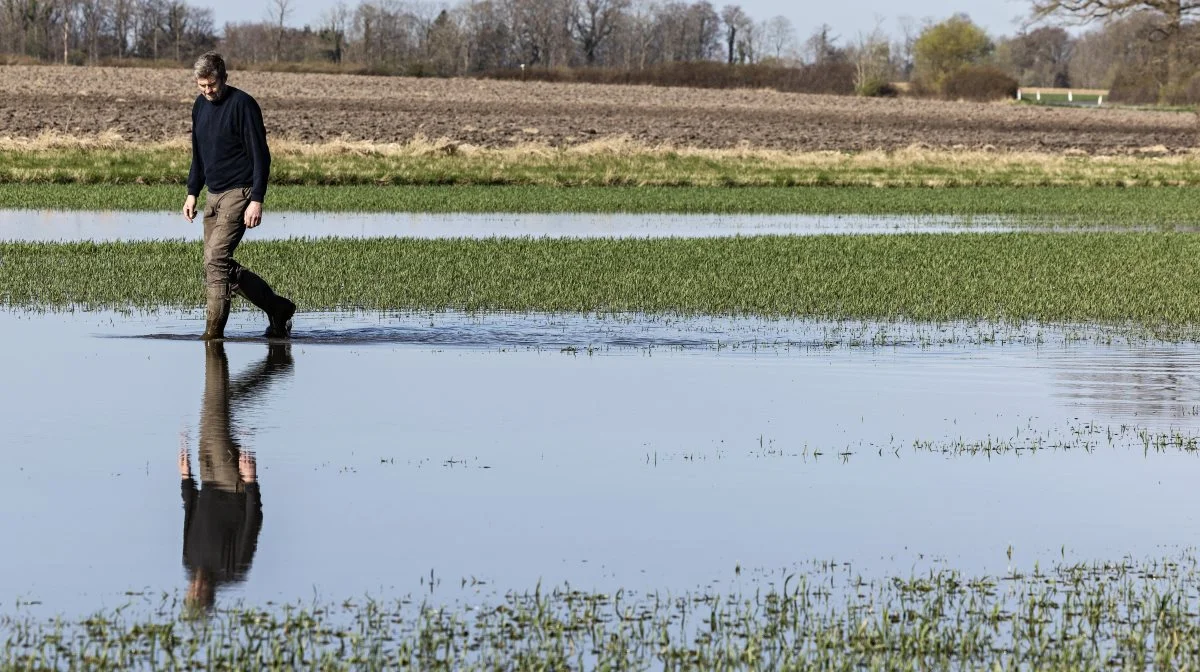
(54,225)
(447,455)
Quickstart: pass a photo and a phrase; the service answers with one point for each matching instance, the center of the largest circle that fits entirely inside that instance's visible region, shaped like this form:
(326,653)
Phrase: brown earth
(145,104)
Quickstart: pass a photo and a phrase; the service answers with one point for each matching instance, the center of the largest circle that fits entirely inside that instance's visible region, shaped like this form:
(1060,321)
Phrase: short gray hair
(210,64)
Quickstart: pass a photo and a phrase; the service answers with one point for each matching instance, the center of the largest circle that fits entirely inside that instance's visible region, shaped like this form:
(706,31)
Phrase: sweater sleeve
(187,487)
(250,528)
(254,136)
(195,180)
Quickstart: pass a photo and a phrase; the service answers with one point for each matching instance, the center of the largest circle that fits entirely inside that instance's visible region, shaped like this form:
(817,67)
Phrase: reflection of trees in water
(1143,382)
(223,515)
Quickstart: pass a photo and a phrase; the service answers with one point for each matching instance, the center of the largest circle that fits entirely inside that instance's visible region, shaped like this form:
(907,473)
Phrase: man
(222,517)
(230,155)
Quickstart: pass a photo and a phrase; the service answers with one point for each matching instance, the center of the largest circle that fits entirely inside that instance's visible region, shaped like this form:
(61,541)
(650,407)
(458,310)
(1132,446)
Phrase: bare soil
(147,104)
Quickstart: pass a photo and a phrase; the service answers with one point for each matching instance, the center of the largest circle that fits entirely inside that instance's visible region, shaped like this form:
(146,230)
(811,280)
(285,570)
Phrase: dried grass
(623,160)
(56,140)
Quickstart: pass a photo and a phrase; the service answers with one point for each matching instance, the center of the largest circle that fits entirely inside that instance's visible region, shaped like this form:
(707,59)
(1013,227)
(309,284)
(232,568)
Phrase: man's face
(211,87)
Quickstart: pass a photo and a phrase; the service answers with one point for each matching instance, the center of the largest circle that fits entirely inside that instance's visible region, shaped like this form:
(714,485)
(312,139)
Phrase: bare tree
(366,28)
(488,35)
(200,35)
(704,28)
(446,36)
(872,58)
(68,8)
(1038,58)
(593,22)
(95,16)
(443,44)
(543,28)
(1173,13)
(248,42)
(904,52)
(334,22)
(1098,56)
(670,32)
(641,31)
(780,36)
(15,26)
(123,19)
(278,12)
(747,43)
(177,25)
(735,21)
(148,28)
(821,46)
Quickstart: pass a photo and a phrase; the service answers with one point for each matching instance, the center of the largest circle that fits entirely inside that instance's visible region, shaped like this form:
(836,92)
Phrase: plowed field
(143,104)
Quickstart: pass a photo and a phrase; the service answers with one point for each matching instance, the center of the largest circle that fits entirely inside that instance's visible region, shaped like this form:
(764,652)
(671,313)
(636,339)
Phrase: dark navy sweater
(220,530)
(229,145)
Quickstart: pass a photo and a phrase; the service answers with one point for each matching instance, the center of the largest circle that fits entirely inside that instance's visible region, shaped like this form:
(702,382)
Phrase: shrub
(1187,93)
(18,59)
(164,64)
(919,88)
(1191,92)
(877,88)
(837,78)
(1133,87)
(979,82)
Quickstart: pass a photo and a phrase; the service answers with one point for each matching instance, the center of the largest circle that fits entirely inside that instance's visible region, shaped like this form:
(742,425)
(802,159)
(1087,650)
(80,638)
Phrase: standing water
(503,450)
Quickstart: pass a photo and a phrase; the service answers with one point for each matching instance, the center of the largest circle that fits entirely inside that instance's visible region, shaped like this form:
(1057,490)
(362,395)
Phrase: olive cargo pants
(224,226)
(223,230)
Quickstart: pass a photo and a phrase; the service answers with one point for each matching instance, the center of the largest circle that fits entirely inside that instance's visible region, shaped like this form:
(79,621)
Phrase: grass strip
(1079,616)
(1055,205)
(611,162)
(1145,278)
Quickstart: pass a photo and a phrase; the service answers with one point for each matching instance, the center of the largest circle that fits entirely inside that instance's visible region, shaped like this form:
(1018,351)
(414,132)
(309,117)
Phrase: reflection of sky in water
(643,467)
(53,225)
(1136,382)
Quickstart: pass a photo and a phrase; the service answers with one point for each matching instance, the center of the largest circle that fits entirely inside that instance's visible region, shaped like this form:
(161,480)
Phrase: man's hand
(247,467)
(185,462)
(189,208)
(253,214)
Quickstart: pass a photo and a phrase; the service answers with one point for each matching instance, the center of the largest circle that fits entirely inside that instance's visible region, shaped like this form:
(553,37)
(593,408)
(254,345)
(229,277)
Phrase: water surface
(504,449)
(54,225)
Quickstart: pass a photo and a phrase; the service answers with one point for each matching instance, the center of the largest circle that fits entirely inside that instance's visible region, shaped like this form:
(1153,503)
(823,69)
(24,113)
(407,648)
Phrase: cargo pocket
(234,215)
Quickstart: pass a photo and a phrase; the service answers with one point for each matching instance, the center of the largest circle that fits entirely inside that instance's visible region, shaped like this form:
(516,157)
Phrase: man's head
(201,593)
(210,75)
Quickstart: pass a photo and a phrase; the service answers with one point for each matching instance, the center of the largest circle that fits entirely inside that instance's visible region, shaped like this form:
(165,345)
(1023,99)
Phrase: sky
(847,17)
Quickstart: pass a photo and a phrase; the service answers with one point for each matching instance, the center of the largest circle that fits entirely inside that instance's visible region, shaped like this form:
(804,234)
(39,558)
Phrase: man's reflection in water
(222,517)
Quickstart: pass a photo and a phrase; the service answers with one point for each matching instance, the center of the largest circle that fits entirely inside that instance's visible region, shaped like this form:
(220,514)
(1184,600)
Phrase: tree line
(396,35)
(1141,49)
(91,31)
